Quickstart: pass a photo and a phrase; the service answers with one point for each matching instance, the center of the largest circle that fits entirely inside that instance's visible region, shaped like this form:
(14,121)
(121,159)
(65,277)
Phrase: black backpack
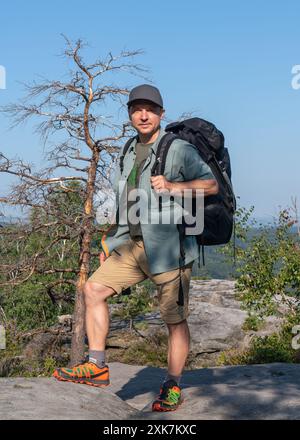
(218,209)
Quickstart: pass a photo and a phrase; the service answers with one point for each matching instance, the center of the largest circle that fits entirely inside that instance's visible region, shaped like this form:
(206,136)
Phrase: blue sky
(228,62)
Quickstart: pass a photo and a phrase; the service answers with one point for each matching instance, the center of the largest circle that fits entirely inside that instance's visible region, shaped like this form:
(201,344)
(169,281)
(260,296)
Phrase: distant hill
(217,266)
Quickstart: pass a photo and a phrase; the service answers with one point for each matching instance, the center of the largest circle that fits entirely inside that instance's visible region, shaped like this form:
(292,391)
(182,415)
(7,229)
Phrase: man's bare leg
(96,373)
(179,345)
(97,314)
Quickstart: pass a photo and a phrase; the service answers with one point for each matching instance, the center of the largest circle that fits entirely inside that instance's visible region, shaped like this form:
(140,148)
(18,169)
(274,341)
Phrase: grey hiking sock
(171,377)
(97,357)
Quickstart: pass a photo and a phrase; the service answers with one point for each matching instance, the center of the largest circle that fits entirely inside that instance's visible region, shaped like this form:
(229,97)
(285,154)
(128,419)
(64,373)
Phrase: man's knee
(177,326)
(95,292)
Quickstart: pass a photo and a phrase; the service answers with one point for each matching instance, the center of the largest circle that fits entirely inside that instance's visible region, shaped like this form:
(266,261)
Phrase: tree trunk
(78,333)
(77,348)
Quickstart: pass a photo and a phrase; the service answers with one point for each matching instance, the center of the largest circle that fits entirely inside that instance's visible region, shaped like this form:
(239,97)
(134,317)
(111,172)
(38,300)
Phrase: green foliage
(268,273)
(243,225)
(142,325)
(252,322)
(271,266)
(139,302)
(48,367)
(200,277)
(41,297)
(30,306)
(273,348)
(13,346)
(13,349)
(13,363)
(267,261)
(216,266)
(33,368)
(152,351)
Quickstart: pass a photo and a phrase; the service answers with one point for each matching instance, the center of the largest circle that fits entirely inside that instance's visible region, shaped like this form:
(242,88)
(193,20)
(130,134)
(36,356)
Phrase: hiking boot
(85,372)
(169,397)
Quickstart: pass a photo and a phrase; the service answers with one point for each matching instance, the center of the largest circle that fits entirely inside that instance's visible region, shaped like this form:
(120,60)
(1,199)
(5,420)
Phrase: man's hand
(102,257)
(160,184)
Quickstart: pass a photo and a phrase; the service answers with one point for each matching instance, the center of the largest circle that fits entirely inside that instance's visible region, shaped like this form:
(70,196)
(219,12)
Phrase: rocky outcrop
(216,324)
(48,399)
(251,392)
(215,319)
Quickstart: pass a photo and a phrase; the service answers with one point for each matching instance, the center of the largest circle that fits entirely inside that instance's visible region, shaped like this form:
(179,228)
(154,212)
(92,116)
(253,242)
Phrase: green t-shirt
(142,152)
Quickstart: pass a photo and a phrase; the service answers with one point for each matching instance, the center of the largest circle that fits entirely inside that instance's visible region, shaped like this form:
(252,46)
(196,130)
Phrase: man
(139,250)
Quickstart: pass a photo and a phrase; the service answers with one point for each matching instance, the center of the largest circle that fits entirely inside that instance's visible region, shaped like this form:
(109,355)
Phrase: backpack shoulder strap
(125,149)
(161,154)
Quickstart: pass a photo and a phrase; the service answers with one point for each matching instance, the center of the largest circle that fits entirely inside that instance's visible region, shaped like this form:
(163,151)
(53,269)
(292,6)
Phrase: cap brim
(142,99)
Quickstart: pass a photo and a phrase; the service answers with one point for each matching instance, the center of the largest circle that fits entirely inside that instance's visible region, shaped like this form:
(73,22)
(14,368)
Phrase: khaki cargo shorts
(127,265)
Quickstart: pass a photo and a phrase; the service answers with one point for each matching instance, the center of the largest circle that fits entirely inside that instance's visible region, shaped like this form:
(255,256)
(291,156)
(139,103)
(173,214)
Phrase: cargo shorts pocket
(173,295)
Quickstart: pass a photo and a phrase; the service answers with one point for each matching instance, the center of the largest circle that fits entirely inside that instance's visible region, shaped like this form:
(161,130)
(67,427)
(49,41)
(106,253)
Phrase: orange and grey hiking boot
(169,397)
(86,372)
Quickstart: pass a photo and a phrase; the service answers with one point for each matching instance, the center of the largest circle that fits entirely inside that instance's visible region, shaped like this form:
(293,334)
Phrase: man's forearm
(210,186)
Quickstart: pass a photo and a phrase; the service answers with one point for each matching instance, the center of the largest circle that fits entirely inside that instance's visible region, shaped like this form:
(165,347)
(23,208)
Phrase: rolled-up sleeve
(194,166)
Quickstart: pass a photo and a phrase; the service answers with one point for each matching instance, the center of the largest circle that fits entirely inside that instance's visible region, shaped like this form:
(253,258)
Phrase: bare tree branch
(60,206)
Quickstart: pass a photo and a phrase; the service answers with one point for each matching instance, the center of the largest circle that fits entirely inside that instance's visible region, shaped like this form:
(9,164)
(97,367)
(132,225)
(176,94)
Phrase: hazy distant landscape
(216,265)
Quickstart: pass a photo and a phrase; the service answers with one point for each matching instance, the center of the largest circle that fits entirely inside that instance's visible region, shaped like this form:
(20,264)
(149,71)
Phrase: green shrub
(252,322)
(271,267)
(49,366)
(150,351)
(268,349)
(30,306)
(139,302)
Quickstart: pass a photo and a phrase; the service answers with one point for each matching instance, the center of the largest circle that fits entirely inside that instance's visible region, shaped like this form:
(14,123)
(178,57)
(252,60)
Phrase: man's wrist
(171,186)
(175,187)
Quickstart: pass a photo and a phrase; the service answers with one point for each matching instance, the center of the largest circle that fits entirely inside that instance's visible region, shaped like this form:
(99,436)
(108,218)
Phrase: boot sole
(161,409)
(90,382)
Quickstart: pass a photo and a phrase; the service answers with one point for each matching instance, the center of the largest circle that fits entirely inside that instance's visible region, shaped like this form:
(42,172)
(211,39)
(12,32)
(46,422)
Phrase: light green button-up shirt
(161,241)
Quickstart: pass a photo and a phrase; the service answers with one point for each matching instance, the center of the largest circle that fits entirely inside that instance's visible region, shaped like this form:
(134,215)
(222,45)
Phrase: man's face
(145,116)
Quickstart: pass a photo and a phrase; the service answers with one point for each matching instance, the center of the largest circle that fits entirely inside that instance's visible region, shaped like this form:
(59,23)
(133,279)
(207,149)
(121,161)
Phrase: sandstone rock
(48,399)
(65,321)
(216,321)
(251,392)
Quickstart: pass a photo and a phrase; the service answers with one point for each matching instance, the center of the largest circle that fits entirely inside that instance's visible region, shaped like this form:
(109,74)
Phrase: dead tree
(82,141)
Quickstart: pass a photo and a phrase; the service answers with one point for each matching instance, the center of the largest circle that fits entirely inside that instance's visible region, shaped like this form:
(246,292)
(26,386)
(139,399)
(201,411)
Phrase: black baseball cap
(147,93)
